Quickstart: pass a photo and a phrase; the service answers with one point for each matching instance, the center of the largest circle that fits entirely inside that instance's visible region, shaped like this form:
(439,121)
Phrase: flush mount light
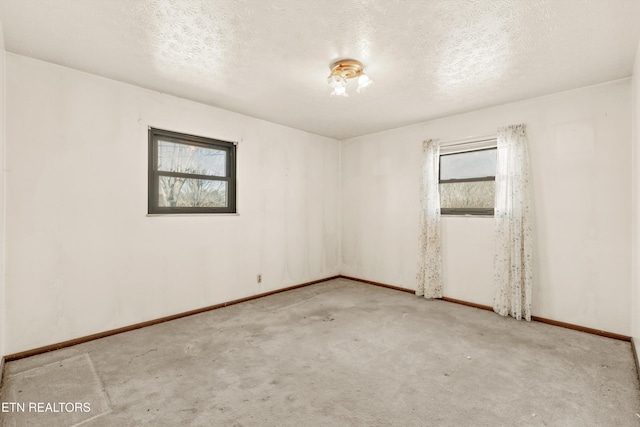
(344,70)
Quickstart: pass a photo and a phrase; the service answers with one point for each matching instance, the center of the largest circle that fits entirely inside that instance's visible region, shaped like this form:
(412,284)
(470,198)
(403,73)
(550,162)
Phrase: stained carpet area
(338,353)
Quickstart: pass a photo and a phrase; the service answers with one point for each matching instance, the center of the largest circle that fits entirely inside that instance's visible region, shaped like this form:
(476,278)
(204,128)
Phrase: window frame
(154,135)
(465,211)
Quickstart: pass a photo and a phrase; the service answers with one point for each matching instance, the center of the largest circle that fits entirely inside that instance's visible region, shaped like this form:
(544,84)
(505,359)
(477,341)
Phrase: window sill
(466,216)
(193,214)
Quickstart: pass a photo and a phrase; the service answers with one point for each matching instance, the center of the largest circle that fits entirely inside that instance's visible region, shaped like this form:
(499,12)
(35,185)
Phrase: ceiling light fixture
(346,69)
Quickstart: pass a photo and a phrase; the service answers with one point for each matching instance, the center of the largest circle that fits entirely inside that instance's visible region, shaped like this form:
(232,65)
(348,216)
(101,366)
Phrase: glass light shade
(363,82)
(340,90)
(337,80)
(339,85)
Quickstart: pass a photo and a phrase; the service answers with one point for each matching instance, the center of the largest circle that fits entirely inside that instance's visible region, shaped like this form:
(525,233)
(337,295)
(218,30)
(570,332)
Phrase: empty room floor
(339,353)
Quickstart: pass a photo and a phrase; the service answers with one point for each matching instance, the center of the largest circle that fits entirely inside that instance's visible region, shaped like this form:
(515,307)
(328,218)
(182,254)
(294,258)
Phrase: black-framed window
(467,182)
(190,174)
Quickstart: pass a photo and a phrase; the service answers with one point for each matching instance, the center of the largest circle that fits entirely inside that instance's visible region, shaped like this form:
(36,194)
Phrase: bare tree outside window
(190,174)
(467,182)
(475,194)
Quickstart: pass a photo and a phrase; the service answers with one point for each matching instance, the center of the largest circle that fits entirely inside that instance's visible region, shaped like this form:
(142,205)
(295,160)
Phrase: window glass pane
(472,164)
(185,158)
(187,192)
(474,194)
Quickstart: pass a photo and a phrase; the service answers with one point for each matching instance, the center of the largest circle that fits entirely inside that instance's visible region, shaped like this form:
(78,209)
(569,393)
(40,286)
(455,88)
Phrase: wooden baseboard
(75,341)
(397,288)
(467,303)
(486,307)
(635,358)
(581,328)
(1,371)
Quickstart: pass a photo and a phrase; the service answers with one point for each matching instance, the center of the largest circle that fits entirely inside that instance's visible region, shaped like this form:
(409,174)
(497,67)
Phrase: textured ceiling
(270,59)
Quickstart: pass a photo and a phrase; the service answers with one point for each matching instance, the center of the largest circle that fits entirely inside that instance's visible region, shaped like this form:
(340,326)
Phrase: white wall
(2,192)
(635,253)
(580,144)
(83,257)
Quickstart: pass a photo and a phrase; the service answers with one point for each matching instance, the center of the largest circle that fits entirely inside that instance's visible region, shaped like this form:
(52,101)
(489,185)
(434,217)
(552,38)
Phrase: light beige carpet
(338,353)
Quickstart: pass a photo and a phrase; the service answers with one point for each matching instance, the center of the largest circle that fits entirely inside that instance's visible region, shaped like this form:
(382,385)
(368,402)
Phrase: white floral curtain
(430,261)
(513,269)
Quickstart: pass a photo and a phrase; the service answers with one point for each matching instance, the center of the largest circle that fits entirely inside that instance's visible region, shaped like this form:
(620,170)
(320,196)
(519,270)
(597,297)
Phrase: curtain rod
(461,141)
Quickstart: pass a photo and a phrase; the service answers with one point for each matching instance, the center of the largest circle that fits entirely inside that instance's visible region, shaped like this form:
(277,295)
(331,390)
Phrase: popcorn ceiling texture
(270,59)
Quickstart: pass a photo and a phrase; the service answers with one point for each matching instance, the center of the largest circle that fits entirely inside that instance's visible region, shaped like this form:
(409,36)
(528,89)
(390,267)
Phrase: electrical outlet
(259,278)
